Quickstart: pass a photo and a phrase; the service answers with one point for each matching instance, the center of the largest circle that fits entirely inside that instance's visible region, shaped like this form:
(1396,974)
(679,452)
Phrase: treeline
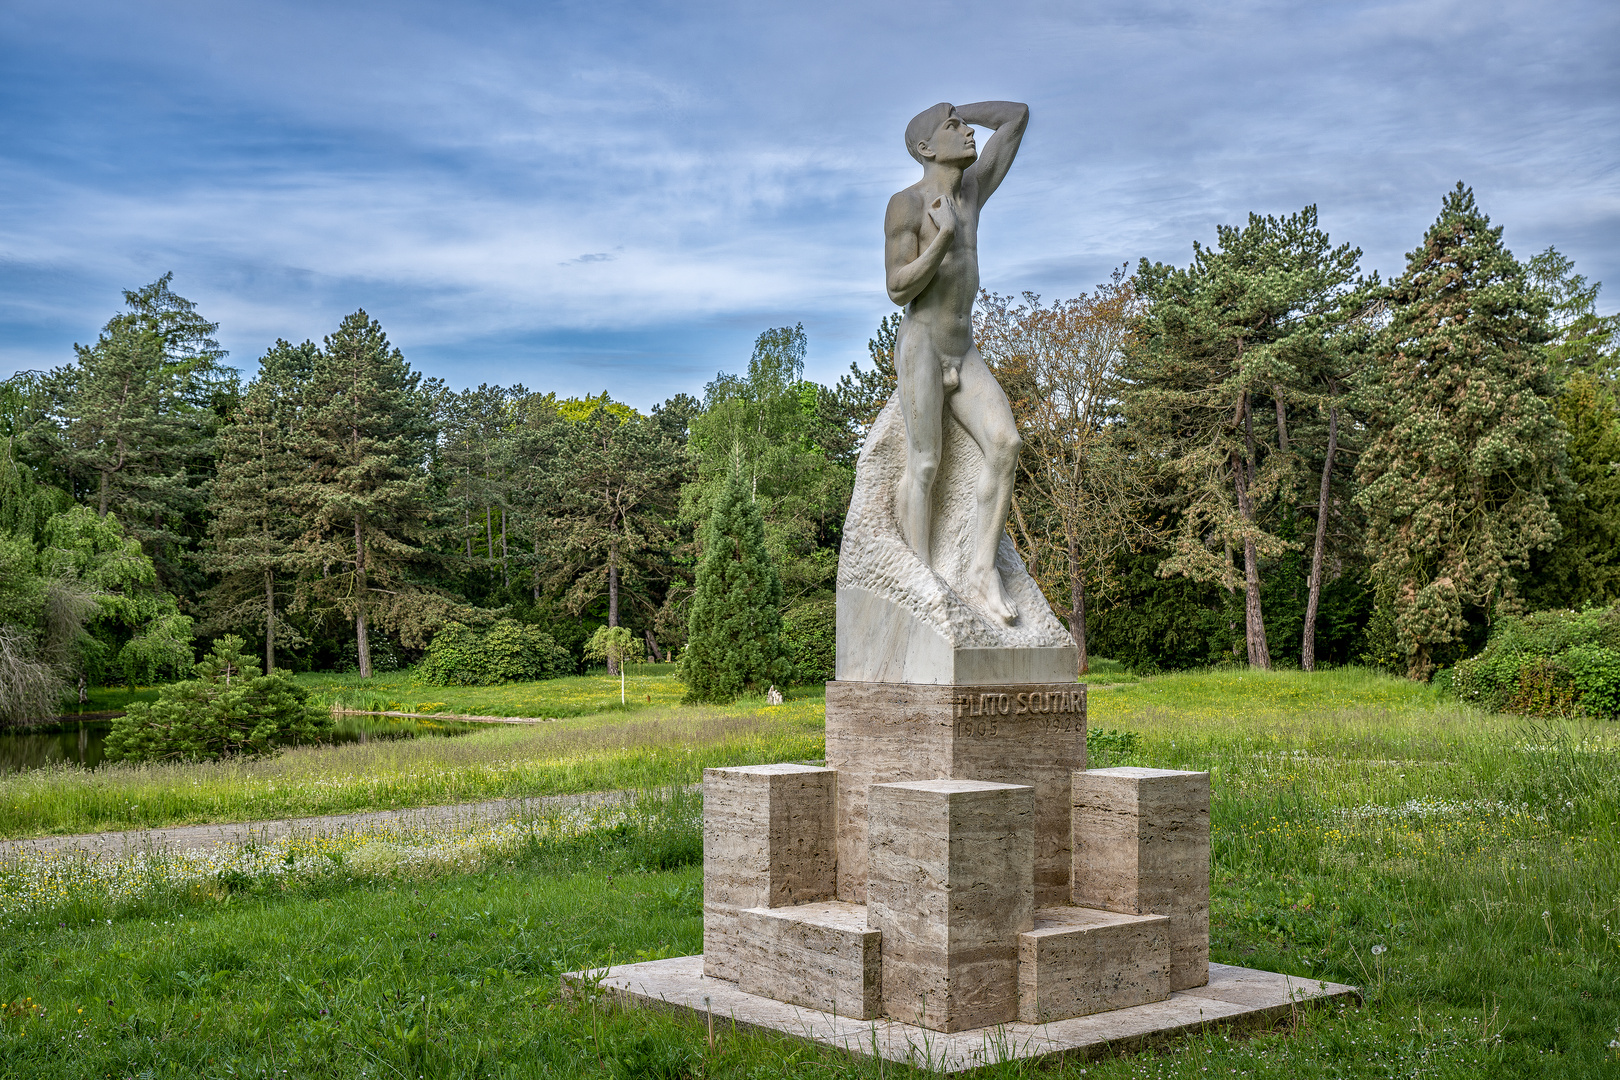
(1264,456)
(339,509)
(1268,457)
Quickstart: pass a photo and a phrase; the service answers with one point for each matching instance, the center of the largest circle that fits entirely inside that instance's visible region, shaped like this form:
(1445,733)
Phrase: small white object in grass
(773,696)
(1379,950)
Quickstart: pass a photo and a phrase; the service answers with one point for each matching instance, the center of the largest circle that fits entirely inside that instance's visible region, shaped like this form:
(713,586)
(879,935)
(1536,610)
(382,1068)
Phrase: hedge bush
(1551,663)
(810,632)
(229,708)
(508,651)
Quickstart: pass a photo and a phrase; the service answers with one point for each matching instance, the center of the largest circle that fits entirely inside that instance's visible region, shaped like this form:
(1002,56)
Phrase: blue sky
(588,196)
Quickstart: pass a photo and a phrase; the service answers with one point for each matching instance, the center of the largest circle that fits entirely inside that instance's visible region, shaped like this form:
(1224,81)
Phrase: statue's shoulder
(906,206)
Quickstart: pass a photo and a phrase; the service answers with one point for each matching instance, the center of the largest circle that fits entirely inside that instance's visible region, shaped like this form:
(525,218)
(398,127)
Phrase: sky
(620,196)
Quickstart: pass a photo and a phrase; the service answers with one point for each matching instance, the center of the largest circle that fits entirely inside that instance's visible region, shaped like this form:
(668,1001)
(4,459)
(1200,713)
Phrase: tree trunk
(613,600)
(489,535)
(1282,418)
(1307,652)
(652,648)
(506,568)
(101,510)
(1253,619)
(467,513)
(269,622)
(1077,603)
(362,644)
(534,571)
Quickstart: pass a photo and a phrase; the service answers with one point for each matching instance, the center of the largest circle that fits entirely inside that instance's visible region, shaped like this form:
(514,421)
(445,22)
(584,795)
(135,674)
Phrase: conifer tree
(1233,337)
(734,638)
(614,478)
(131,423)
(1466,446)
(361,442)
(252,531)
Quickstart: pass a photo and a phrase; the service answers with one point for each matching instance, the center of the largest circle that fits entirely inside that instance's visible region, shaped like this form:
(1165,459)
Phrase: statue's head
(938,134)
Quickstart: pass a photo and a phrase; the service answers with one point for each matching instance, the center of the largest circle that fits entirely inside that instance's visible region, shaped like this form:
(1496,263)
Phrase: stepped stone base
(821,956)
(1234,996)
(1079,961)
(1032,734)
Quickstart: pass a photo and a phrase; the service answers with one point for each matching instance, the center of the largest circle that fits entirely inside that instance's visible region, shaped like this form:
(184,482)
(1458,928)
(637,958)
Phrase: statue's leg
(981,407)
(922,403)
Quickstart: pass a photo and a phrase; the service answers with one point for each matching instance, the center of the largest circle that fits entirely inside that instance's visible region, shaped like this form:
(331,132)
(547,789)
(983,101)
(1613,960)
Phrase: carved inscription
(1052,701)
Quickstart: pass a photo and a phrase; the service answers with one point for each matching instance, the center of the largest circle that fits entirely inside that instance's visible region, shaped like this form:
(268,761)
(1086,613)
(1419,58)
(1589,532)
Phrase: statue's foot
(990,596)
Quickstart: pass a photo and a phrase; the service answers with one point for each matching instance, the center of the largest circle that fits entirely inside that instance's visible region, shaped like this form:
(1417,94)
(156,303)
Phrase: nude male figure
(931,254)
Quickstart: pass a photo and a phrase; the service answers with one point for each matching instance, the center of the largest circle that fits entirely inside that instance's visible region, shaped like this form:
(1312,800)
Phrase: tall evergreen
(252,531)
(615,482)
(1466,446)
(1235,336)
(734,639)
(131,422)
(361,440)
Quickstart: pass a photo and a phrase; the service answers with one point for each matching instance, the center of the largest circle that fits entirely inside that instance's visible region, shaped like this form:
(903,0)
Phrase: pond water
(84,743)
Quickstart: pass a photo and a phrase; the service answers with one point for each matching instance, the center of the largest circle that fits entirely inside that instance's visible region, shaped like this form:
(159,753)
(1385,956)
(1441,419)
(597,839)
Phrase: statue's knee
(1005,448)
(923,469)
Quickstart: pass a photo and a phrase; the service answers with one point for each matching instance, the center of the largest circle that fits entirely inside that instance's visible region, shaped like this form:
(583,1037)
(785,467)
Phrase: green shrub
(229,708)
(508,651)
(1551,663)
(810,632)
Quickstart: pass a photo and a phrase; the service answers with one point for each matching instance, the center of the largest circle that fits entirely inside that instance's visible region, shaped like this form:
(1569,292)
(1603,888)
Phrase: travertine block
(768,841)
(1141,846)
(1079,961)
(822,956)
(949,885)
(1032,734)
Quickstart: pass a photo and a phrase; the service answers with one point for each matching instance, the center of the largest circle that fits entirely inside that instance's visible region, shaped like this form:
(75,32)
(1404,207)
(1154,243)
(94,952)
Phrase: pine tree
(1231,338)
(614,481)
(252,531)
(1466,445)
(131,423)
(734,638)
(361,442)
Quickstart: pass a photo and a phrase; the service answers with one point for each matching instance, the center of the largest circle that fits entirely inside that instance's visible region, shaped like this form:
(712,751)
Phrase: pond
(83,743)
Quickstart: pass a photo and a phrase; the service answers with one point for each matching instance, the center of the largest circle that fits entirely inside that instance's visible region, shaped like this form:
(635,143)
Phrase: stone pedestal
(949,886)
(1033,734)
(1079,961)
(768,841)
(822,956)
(1141,846)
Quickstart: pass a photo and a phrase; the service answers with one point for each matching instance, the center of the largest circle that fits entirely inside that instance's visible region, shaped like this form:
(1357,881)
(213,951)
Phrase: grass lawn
(647,747)
(1463,868)
(645,686)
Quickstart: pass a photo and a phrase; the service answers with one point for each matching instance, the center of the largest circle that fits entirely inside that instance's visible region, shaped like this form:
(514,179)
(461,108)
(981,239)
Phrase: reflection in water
(84,743)
(80,744)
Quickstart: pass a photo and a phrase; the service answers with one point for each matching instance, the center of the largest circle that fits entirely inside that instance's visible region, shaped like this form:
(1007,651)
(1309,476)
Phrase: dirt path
(200,837)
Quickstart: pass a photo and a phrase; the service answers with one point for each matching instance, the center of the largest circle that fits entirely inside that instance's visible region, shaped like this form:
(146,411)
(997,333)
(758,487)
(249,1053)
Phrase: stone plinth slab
(1141,846)
(1079,961)
(949,886)
(768,841)
(1032,734)
(881,641)
(1236,997)
(822,956)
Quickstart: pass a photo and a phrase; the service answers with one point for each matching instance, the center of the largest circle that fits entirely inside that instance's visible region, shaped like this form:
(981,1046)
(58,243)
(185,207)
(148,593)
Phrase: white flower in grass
(1379,950)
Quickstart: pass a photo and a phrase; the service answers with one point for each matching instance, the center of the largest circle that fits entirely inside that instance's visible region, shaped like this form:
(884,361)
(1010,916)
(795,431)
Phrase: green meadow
(1463,868)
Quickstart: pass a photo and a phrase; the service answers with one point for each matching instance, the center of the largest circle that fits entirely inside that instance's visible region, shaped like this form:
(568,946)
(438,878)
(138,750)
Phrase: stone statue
(931,255)
(930,587)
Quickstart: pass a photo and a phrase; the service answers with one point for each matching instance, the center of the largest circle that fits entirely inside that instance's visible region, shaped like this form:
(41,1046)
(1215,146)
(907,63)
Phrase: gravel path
(201,837)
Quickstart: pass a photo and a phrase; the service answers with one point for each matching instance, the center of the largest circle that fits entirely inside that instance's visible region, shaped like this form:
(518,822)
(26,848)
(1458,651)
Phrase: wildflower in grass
(1380,950)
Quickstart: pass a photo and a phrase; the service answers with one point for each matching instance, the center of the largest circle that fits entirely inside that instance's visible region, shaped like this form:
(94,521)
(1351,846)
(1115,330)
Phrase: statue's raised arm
(1008,120)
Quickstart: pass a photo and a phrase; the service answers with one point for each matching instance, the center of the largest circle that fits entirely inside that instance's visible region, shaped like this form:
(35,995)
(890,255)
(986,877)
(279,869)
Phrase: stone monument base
(1234,997)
